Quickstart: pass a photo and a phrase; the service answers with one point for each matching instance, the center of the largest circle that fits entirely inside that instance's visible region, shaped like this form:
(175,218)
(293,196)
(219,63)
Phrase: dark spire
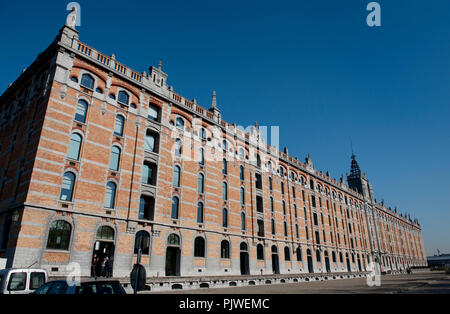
(355,171)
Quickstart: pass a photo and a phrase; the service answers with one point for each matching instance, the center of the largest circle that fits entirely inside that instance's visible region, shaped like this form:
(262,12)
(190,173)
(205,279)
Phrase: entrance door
(310,262)
(173,257)
(327,264)
(102,259)
(275,264)
(245,264)
(349,269)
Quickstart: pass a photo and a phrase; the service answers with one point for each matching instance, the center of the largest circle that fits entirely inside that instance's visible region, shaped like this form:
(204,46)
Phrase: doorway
(327,263)
(275,261)
(310,262)
(245,269)
(102,262)
(173,257)
(349,268)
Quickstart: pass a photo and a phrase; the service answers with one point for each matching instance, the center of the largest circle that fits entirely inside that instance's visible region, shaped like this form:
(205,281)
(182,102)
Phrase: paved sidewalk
(426,283)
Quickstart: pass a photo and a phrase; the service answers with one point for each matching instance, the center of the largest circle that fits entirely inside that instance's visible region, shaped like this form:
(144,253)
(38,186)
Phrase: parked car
(21,281)
(85,288)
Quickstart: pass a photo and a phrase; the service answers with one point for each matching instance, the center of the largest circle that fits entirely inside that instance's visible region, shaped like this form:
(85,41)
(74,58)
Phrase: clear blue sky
(314,68)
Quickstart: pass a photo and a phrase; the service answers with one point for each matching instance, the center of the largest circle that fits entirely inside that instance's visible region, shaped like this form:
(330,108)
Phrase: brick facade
(347,228)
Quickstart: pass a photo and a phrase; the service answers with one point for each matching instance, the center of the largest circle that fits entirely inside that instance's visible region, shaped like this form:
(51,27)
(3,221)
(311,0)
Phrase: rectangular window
(153,113)
(258,180)
(17,282)
(260,228)
(36,280)
(259,204)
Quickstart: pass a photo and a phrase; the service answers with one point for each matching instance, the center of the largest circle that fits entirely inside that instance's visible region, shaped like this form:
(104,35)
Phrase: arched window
(244,246)
(110,195)
(318,258)
(270,184)
(201,183)
(123,97)
(200,213)
(199,247)
(299,254)
(241,173)
(59,236)
(296,231)
(75,146)
(176,176)
(146,208)
(274,249)
(284,207)
(287,254)
(285,229)
(225,249)
(282,187)
(81,113)
(260,252)
(118,128)
(105,233)
(224,191)
(281,171)
(173,240)
(271,205)
(203,134)
(87,81)
(179,122)
(178,148)
(175,207)
(269,165)
(150,142)
(341,258)
(273,226)
(333,255)
(67,187)
(224,166)
(225,218)
(243,227)
(242,196)
(201,156)
(115,158)
(225,145)
(241,154)
(142,243)
(258,161)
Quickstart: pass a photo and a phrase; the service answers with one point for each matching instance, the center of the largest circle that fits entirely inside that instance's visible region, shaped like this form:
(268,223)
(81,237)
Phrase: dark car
(84,288)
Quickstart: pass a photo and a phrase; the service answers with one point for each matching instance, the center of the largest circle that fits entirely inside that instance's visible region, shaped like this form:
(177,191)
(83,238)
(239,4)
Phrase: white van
(21,281)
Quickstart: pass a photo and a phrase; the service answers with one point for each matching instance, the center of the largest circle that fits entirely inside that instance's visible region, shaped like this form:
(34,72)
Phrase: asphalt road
(427,283)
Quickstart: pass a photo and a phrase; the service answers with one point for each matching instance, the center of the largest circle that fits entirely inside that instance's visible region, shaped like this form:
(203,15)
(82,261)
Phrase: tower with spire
(358,181)
(214,109)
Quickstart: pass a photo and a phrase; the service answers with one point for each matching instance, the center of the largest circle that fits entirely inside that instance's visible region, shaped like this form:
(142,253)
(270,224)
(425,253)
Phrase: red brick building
(99,160)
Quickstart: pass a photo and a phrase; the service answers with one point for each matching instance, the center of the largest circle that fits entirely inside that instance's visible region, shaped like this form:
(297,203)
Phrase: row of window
(60,234)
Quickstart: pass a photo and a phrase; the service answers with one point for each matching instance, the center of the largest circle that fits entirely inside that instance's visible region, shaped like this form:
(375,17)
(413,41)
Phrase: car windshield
(101,288)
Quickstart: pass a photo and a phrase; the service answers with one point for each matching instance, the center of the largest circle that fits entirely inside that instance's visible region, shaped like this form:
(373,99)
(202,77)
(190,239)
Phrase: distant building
(442,260)
(98,160)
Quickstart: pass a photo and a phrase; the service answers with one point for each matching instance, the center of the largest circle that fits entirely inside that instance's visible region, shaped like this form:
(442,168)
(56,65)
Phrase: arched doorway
(275,261)
(173,256)
(310,261)
(103,253)
(245,269)
(349,268)
(327,262)
(359,263)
